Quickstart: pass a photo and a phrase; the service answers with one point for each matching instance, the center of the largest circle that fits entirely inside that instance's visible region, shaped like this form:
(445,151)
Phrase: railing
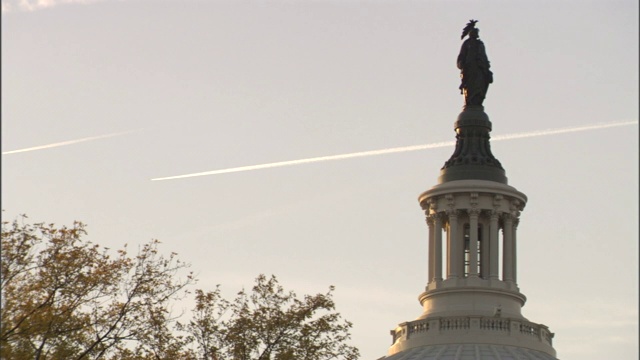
(495,324)
(442,325)
(529,330)
(418,327)
(454,323)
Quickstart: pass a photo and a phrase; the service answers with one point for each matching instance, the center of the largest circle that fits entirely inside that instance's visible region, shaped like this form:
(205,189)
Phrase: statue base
(472,157)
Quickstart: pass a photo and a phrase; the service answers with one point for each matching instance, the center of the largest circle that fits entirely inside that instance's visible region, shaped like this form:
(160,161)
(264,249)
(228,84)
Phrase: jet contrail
(311,160)
(399,149)
(561,130)
(70,142)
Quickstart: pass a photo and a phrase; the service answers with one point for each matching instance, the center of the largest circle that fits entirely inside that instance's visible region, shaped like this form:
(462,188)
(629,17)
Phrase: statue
(474,67)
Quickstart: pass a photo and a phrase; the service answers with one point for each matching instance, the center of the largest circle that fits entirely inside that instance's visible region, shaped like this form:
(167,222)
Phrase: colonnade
(473,244)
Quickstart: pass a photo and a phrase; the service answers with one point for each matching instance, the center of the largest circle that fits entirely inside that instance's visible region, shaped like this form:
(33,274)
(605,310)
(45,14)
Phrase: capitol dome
(470,352)
(472,304)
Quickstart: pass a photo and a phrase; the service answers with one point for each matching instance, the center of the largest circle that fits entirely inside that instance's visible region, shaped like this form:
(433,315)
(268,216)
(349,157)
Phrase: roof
(469,352)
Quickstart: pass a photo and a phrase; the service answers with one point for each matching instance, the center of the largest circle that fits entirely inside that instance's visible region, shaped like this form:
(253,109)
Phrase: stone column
(437,248)
(484,249)
(432,256)
(494,255)
(473,242)
(454,255)
(447,241)
(514,264)
(507,254)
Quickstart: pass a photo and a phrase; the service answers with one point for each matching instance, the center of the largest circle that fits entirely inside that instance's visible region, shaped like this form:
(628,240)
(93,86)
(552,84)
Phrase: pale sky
(103,96)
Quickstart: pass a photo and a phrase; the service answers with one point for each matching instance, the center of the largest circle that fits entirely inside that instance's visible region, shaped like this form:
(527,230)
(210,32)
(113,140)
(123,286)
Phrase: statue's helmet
(469,29)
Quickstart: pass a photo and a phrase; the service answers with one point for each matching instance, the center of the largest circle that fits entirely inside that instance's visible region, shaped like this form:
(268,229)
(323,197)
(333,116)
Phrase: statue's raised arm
(474,67)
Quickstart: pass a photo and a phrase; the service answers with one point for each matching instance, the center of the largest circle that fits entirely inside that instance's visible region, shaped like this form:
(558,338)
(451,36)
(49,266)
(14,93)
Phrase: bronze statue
(474,66)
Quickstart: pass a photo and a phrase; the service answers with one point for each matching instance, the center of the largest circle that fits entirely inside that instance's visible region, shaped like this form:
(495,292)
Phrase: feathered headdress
(470,26)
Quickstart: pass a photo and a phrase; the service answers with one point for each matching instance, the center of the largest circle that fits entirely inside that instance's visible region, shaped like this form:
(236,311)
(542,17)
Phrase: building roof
(469,352)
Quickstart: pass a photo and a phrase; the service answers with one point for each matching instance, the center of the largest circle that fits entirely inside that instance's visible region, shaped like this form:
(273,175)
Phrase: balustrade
(457,323)
(494,324)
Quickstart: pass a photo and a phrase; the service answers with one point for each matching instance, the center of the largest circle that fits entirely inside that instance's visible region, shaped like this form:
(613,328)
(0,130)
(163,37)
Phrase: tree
(269,323)
(65,298)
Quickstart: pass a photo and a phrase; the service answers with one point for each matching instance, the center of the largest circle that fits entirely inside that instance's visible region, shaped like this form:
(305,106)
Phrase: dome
(471,306)
(469,352)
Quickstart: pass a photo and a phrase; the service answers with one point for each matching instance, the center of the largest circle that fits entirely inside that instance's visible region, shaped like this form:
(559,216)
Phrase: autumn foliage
(67,298)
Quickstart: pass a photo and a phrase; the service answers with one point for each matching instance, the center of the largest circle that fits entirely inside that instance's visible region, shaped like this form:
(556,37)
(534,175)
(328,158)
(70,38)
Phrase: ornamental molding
(451,201)
(433,205)
(515,206)
(483,187)
(473,199)
(497,201)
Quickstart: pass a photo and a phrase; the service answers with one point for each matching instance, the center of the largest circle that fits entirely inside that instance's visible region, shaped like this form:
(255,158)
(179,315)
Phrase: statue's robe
(476,76)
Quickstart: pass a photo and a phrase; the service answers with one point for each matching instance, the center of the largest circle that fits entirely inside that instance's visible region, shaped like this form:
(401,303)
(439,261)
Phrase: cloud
(34,5)
(398,149)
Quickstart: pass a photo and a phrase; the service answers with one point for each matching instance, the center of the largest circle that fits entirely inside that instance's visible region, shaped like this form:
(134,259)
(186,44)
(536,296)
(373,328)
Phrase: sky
(105,104)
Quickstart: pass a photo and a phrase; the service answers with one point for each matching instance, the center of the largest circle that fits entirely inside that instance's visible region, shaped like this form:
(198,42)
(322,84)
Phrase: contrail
(70,142)
(561,130)
(311,160)
(398,149)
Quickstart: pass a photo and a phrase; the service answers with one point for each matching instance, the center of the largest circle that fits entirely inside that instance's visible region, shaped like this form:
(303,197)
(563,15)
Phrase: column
(514,262)
(432,256)
(460,250)
(507,254)
(447,256)
(494,254)
(484,250)
(473,242)
(454,256)
(437,248)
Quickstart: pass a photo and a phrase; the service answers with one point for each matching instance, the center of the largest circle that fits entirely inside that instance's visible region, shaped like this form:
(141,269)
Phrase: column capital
(429,219)
(433,217)
(516,222)
(453,213)
(474,212)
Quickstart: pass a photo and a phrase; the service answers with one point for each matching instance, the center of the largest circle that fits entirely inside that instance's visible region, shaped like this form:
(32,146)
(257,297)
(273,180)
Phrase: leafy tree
(269,323)
(66,298)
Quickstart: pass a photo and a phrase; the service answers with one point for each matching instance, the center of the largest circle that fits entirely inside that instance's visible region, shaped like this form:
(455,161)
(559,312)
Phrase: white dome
(469,352)
(472,305)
